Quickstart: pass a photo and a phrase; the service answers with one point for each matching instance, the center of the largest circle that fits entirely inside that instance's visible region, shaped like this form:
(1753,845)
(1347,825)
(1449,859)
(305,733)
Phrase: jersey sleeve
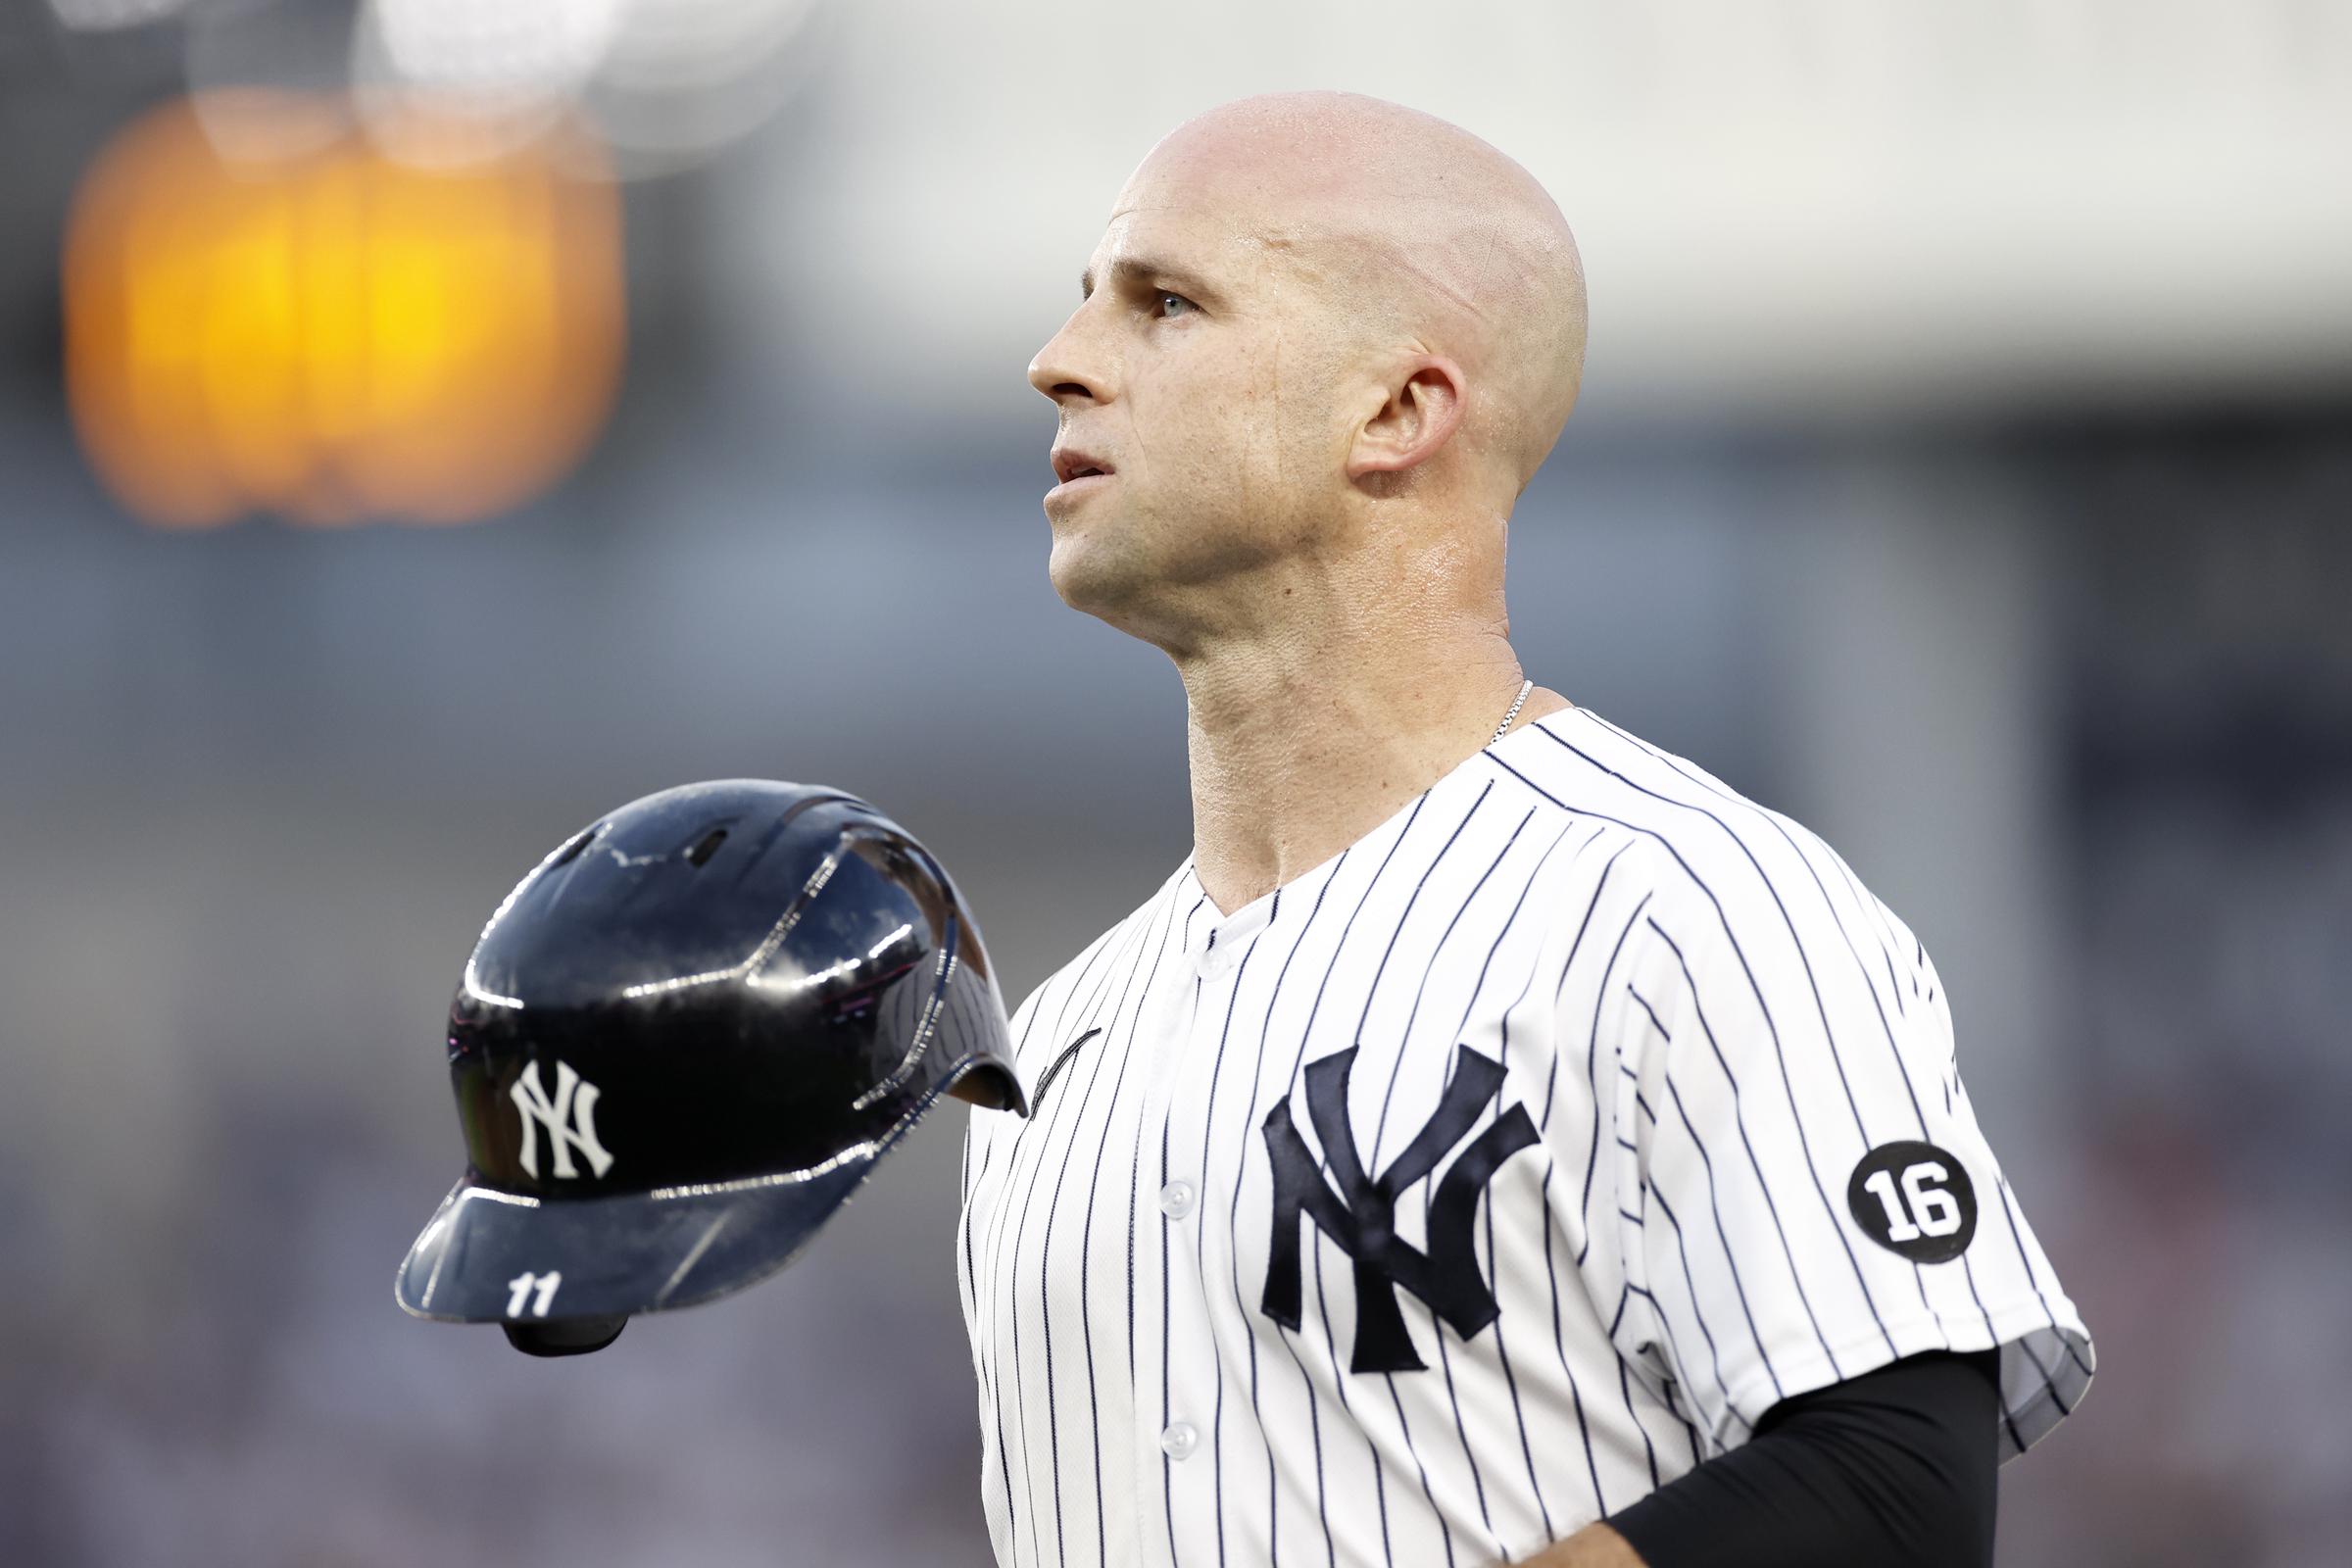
(1802,1193)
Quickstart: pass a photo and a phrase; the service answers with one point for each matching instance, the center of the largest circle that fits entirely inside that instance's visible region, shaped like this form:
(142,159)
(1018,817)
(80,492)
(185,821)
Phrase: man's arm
(1595,1546)
(1897,1465)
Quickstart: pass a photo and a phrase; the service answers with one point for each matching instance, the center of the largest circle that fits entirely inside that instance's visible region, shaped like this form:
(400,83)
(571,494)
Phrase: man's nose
(1066,367)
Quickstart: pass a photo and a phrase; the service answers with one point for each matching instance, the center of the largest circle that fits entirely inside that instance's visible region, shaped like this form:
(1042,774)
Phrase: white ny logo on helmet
(570,1119)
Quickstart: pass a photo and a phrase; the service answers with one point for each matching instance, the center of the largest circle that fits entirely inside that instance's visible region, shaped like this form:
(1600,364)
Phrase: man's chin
(1095,580)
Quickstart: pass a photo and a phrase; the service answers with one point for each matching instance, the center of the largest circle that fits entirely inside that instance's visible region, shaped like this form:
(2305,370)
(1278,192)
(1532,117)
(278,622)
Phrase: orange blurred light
(332,335)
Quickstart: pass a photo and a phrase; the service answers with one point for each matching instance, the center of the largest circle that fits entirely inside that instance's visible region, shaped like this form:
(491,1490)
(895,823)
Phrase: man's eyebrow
(1145,269)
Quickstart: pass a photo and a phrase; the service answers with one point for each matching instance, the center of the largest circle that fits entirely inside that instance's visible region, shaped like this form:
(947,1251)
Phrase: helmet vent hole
(707,846)
(571,852)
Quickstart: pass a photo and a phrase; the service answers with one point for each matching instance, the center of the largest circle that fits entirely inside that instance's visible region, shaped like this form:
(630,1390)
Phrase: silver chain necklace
(1525,687)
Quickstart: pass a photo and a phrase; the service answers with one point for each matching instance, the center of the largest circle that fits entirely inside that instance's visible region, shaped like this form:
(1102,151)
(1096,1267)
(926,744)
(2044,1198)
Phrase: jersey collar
(1214,942)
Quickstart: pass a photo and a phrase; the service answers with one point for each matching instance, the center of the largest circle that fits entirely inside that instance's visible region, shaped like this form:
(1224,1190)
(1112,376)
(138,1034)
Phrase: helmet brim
(486,1254)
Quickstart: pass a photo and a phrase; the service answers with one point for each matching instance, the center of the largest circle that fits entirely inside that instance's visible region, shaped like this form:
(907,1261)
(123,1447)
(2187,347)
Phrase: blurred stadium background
(425,424)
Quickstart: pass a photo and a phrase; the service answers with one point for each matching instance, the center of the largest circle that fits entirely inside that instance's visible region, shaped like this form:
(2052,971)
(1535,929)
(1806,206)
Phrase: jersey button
(1176,1200)
(1179,1440)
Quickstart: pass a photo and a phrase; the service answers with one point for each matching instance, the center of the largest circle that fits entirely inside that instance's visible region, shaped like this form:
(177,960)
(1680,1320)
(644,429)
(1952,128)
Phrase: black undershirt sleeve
(1898,1465)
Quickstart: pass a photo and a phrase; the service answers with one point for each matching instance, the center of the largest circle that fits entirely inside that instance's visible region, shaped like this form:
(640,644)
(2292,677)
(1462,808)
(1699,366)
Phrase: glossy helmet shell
(684,1039)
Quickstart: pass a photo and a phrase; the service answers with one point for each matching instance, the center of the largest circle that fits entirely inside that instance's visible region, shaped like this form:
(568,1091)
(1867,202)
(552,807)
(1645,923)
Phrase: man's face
(1199,370)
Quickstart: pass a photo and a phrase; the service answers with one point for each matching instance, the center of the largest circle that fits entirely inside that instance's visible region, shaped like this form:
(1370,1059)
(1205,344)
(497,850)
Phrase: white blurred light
(487,77)
(681,45)
(512,50)
(682,79)
(665,81)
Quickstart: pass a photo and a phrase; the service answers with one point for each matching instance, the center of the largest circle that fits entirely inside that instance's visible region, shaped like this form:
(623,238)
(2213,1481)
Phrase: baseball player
(1498,1140)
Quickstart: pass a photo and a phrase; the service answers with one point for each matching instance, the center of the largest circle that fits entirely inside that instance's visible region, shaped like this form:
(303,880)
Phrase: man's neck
(1298,751)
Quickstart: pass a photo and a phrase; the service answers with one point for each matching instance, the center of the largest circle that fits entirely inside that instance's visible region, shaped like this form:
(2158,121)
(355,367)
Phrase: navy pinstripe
(1693,942)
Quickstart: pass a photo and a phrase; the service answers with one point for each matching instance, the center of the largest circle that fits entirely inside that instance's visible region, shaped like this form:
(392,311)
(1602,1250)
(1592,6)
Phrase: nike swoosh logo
(1036,1096)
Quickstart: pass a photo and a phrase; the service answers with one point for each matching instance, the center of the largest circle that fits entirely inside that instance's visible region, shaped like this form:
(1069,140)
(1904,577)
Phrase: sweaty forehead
(1335,182)
(1231,189)
(1219,247)
(1234,229)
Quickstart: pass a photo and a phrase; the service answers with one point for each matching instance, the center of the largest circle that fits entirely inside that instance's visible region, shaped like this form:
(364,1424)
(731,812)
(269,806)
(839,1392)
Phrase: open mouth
(1071,464)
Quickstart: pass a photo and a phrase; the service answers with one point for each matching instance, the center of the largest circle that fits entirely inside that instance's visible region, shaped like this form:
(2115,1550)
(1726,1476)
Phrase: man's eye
(1162,299)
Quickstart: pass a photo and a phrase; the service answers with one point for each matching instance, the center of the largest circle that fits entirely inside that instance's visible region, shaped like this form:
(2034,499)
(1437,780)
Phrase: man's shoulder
(1700,845)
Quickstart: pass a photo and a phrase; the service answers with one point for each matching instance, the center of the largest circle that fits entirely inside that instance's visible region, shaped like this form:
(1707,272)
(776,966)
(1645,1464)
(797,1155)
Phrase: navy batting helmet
(682,1041)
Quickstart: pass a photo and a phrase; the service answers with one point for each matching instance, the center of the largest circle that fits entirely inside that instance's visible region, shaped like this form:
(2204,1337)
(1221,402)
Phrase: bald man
(1498,1140)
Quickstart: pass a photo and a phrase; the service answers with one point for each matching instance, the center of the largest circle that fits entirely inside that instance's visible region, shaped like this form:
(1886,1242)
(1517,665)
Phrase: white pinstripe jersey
(1476,1182)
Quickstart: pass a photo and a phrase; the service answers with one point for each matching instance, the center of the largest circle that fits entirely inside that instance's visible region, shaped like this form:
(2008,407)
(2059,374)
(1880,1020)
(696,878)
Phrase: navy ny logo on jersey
(1360,1216)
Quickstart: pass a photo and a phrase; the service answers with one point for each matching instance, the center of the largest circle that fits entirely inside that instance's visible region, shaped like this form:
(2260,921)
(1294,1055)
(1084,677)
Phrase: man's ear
(1420,414)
